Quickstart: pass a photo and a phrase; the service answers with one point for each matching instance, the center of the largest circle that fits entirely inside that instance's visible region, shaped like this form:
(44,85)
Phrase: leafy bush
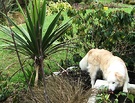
(55,7)
(114,31)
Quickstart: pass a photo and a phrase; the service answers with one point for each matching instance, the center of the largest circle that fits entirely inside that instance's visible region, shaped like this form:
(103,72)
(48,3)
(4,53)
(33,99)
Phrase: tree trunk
(40,75)
(38,68)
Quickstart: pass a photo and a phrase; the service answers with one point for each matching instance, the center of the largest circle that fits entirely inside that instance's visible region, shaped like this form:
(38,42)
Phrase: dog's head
(115,81)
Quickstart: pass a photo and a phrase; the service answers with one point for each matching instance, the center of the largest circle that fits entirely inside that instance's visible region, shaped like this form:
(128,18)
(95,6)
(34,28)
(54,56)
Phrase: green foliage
(55,7)
(113,31)
(4,86)
(8,5)
(5,5)
(30,73)
(131,97)
(7,87)
(104,97)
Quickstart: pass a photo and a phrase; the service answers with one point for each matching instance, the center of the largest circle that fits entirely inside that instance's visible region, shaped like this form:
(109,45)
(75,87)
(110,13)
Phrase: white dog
(113,68)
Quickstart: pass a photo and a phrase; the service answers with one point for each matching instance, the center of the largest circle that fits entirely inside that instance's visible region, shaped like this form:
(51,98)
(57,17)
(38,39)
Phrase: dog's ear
(119,78)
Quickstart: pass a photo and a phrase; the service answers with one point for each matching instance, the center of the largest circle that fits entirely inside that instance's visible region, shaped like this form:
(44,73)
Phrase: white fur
(118,67)
(113,68)
(83,63)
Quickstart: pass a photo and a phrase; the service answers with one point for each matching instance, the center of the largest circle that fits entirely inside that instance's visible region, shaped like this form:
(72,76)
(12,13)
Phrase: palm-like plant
(33,41)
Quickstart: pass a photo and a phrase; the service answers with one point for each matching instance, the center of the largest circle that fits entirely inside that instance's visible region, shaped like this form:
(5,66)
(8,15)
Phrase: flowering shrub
(54,7)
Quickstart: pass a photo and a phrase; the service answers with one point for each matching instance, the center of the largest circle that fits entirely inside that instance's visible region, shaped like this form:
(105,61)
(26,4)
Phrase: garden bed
(72,88)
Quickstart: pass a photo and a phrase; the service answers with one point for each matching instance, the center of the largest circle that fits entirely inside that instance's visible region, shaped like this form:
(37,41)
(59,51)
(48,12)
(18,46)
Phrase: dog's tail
(84,62)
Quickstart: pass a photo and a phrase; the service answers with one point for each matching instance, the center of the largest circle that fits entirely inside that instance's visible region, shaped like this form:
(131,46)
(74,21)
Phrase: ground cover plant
(94,37)
(104,97)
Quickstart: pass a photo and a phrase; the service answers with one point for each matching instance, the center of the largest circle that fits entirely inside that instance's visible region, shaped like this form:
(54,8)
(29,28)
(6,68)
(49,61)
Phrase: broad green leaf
(131,97)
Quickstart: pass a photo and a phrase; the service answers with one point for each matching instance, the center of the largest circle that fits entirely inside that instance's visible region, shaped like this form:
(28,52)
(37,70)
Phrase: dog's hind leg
(92,72)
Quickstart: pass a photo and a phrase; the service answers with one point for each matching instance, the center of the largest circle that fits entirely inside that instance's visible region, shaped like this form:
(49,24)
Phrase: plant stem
(44,81)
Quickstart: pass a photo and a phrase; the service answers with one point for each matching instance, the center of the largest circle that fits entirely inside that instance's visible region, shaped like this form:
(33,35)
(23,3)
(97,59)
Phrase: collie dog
(113,68)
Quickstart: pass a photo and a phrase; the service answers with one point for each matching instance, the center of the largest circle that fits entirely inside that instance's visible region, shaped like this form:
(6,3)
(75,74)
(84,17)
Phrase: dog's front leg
(125,87)
(92,81)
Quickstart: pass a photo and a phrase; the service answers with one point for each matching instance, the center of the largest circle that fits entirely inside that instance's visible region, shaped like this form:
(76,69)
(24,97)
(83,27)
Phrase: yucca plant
(34,41)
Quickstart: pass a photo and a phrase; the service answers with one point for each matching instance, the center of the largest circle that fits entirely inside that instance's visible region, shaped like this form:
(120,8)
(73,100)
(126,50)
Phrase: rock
(99,83)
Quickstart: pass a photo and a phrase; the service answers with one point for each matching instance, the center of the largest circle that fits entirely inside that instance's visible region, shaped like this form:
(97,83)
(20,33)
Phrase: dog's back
(99,57)
(94,57)
(103,59)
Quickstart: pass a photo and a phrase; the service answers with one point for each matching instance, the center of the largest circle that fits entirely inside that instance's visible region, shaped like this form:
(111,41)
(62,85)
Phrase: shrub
(55,7)
(113,31)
